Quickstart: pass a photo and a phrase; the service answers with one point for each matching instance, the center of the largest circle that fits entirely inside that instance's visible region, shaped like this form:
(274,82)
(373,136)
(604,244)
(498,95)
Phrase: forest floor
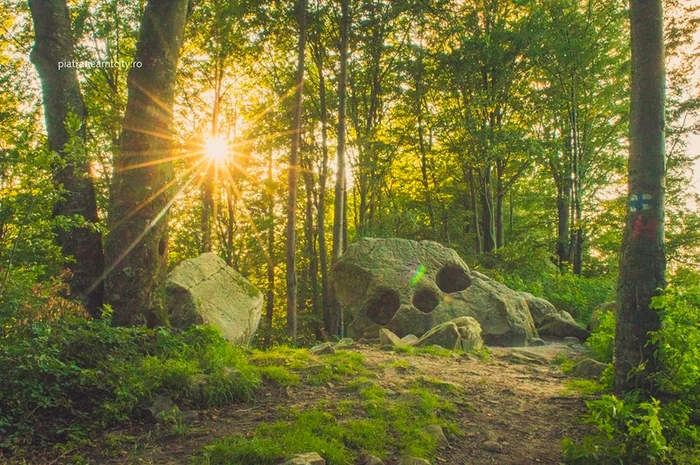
(514,408)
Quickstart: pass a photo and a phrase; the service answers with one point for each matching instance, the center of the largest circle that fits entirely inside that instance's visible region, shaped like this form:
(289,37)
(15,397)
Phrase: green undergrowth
(289,366)
(639,429)
(70,377)
(483,354)
(375,421)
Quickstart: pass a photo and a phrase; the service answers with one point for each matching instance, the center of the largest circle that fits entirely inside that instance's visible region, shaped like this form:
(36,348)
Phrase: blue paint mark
(640,202)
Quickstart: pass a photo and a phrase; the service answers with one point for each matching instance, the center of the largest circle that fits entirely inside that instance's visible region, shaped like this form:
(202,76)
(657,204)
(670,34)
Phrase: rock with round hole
(410,287)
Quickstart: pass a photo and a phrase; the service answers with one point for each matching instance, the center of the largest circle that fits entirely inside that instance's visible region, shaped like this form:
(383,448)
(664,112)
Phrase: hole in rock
(382,307)
(452,278)
(425,300)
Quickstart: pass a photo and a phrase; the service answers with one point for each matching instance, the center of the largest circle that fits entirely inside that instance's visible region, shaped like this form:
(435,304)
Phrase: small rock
(309,458)
(571,340)
(387,338)
(322,349)
(562,325)
(491,446)
(537,342)
(408,460)
(588,368)
(371,460)
(345,342)
(409,339)
(160,408)
(435,431)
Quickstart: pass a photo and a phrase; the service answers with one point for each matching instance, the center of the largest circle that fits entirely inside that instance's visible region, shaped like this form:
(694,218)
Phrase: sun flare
(216,149)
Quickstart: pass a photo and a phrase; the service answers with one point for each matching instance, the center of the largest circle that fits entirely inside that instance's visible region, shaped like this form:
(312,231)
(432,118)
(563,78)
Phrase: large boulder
(205,290)
(410,287)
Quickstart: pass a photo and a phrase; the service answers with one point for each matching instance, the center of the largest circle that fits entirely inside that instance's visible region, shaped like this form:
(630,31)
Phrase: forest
(549,144)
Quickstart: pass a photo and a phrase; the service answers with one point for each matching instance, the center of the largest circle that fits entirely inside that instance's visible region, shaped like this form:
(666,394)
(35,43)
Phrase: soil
(516,410)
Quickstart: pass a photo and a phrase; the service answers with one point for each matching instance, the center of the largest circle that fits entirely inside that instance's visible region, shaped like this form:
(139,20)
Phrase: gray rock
(572,340)
(371,460)
(345,342)
(309,458)
(410,287)
(491,446)
(204,290)
(160,409)
(388,338)
(588,368)
(409,339)
(459,334)
(537,342)
(321,349)
(408,460)
(539,307)
(558,326)
(436,432)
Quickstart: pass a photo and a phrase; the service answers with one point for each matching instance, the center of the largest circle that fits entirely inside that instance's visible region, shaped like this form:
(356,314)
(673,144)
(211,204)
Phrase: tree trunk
(500,193)
(333,317)
(53,48)
(136,246)
(270,294)
(478,244)
(321,207)
(563,208)
(487,210)
(643,261)
(293,168)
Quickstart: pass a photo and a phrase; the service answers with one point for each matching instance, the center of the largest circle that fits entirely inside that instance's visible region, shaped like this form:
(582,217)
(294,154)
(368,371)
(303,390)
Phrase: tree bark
(332,317)
(270,294)
(643,261)
(322,181)
(54,47)
(293,173)
(136,247)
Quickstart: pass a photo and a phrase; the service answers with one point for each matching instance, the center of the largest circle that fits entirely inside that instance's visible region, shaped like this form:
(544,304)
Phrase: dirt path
(514,410)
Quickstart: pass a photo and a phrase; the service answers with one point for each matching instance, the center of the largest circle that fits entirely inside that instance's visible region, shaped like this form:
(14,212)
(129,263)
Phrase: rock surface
(459,334)
(562,325)
(410,287)
(309,458)
(204,290)
(588,368)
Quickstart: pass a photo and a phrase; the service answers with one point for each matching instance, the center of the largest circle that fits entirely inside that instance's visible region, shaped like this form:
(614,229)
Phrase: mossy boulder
(205,290)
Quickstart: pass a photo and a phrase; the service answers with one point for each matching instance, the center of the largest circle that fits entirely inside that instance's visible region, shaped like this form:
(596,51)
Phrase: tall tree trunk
(643,260)
(500,193)
(488,216)
(136,247)
(322,181)
(270,294)
(293,173)
(563,208)
(333,316)
(53,48)
(478,244)
(208,210)
(311,245)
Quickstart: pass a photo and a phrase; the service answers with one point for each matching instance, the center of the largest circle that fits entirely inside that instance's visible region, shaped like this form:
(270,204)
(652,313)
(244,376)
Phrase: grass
(375,422)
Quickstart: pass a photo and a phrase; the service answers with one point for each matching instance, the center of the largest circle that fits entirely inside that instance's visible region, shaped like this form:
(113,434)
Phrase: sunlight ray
(159,161)
(249,218)
(160,191)
(146,230)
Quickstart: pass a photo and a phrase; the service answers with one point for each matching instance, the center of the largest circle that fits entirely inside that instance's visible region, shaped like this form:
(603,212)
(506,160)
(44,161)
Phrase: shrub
(71,376)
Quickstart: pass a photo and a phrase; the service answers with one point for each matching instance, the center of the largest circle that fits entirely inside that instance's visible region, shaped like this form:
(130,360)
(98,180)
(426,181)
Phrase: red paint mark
(645,226)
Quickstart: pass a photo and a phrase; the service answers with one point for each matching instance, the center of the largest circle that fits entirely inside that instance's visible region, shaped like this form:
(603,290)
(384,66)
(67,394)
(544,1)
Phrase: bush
(69,377)
(627,432)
